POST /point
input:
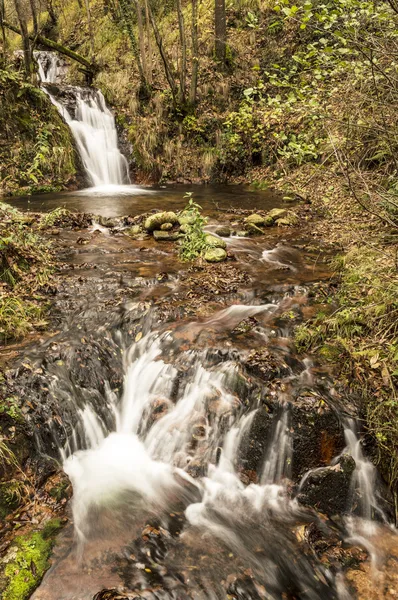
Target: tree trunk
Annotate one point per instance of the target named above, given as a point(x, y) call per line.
point(195, 53)
point(220, 27)
point(34, 16)
point(51, 12)
point(91, 67)
point(90, 28)
point(3, 31)
point(183, 70)
point(141, 38)
point(126, 14)
point(167, 67)
point(149, 42)
point(25, 35)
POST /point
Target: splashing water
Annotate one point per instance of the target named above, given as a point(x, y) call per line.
point(93, 127)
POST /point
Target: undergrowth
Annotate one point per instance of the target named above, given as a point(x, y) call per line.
point(26, 266)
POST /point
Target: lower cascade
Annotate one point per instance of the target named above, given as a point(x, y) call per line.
point(92, 125)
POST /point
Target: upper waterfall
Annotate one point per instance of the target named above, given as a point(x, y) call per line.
point(92, 125)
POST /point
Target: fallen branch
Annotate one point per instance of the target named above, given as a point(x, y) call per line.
point(92, 68)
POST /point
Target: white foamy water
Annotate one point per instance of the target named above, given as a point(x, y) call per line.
point(93, 127)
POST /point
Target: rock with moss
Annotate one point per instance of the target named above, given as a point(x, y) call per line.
point(255, 219)
point(214, 241)
point(253, 229)
point(277, 213)
point(215, 255)
point(166, 226)
point(223, 231)
point(134, 231)
point(26, 562)
point(290, 220)
point(242, 233)
point(155, 221)
point(166, 236)
point(185, 228)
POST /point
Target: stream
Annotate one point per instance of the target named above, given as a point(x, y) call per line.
point(208, 459)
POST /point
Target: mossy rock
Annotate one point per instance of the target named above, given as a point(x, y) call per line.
point(134, 230)
point(223, 231)
point(187, 217)
point(185, 228)
point(290, 220)
point(157, 220)
point(253, 229)
point(242, 233)
point(166, 236)
point(255, 219)
point(166, 227)
point(27, 560)
point(215, 255)
point(214, 242)
point(277, 213)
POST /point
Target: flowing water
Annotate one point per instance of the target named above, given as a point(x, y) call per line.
point(194, 436)
point(92, 124)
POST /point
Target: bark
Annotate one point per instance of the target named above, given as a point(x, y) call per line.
point(51, 12)
point(141, 37)
point(25, 35)
point(149, 41)
point(220, 28)
point(195, 52)
point(90, 28)
point(91, 67)
point(34, 16)
point(183, 71)
point(167, 67)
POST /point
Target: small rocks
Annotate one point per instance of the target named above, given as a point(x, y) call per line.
point(214, 255)
point(166, 226)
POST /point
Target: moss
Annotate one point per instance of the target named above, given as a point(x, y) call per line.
point(28, 560)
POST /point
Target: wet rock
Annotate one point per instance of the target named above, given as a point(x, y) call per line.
point(156, 221)
point(255, 219)
point(166, 226)
point(223, 231)
point(255, 442)
point(328, 489)
point(134, 230)
point(317, 435)
point(242, 233)
point(253, 229)
point(166, 236)
point(290, 220)
point(215, 255)
point(214, 241)
point(277, 213)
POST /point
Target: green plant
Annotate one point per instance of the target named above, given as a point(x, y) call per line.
point(194, 241)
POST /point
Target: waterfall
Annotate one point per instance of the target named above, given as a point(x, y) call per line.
point(92, 125)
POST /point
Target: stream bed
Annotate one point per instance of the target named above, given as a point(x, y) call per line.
point(207, 458)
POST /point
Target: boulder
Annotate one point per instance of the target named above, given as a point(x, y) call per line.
point(223, 231)
point(215, 242)
point(157, 220)
point(166, 236)
point(277, 213)
point(215, 255)
point(255, 219)
point(253, 229)
point(328, 489)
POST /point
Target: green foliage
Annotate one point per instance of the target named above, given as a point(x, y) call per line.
point(10, 407)
point(36, 149)
point(29, 562)
point(194, 241)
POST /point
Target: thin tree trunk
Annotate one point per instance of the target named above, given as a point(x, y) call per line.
point(34, 16)
point(25, 35)
point(183, 41)
point(3, 31)
point(141, 38)
point(220, 27)
point(195, 53)
point(90, 27)
point(149, 41)
point(51, 12)
point(167, 67)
